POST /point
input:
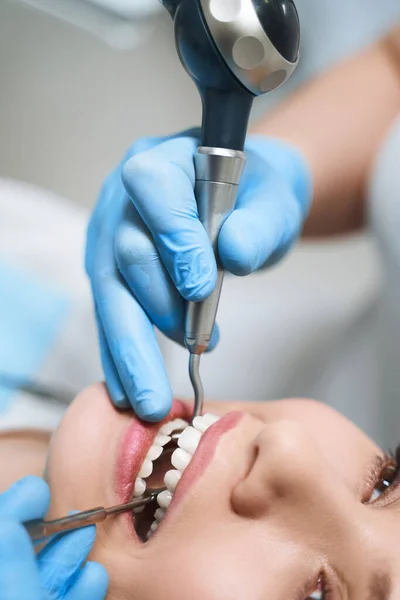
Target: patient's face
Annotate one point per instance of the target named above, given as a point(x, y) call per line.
point(272, 505)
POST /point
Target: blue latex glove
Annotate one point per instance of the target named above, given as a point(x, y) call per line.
point(57, 571)
point(147, 251)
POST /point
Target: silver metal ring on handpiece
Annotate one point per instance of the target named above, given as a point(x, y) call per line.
point(245, 46)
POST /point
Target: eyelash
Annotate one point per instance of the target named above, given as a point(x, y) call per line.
point(389, 461)
point(325, 588)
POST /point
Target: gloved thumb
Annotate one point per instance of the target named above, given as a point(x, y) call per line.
point(92, 582)
point(60, 562)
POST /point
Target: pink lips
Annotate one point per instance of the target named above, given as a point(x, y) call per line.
point(136, 442)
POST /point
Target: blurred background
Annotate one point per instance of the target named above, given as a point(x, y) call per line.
point(80, 80)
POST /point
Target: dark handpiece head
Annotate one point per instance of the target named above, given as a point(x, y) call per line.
point(234, 50)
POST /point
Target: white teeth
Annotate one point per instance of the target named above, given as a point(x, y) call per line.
point(164, 499)
point(161, 440)
point(189, 440)
point(199, 424)
point(211, 419)
point(204, 422)
point(146, 469)
point(159, 514)
point(140, 487)
point(174, 425)
point(154, 452)
point(152, 529)
point(167, 428)
point(171, 479)
point(180, 459)
point(180, 424)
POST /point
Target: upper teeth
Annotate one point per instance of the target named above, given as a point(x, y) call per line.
point(147, 468)
point(171, 479)
point(162, 439)
point(140, 487)
point(188, 442)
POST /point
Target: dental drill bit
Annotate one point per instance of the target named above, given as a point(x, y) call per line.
point(194, 365)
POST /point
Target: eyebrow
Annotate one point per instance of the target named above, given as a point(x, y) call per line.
point(379, 586)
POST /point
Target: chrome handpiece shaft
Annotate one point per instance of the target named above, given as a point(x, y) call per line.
point(218, 173)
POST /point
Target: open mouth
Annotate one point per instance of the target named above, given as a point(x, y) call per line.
point(163, 467)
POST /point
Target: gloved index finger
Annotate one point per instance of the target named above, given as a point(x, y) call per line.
point(91, 583)
point(160, 183)
point(127, 329)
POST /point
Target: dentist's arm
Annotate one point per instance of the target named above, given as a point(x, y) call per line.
point(337, 122)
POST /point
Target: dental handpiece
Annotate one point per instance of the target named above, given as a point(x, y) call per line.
point(234, 50)
point(218, 172)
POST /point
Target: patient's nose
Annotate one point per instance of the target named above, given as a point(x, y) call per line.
point(287, 472)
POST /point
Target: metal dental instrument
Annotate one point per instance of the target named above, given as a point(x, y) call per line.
point(234, 50)
point(39, 529)
point(194, 363)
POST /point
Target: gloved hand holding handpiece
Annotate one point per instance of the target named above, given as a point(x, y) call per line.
point(149, 248)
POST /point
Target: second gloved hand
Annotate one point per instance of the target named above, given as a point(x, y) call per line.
point(148, 253)
point(58, 572)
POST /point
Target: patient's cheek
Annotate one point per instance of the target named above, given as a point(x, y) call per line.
point(21, 455)
point(82, 453)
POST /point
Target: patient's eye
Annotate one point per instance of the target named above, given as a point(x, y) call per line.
point(320, 592)
point(317, 595)
point(387, 477)
point(384, 478)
